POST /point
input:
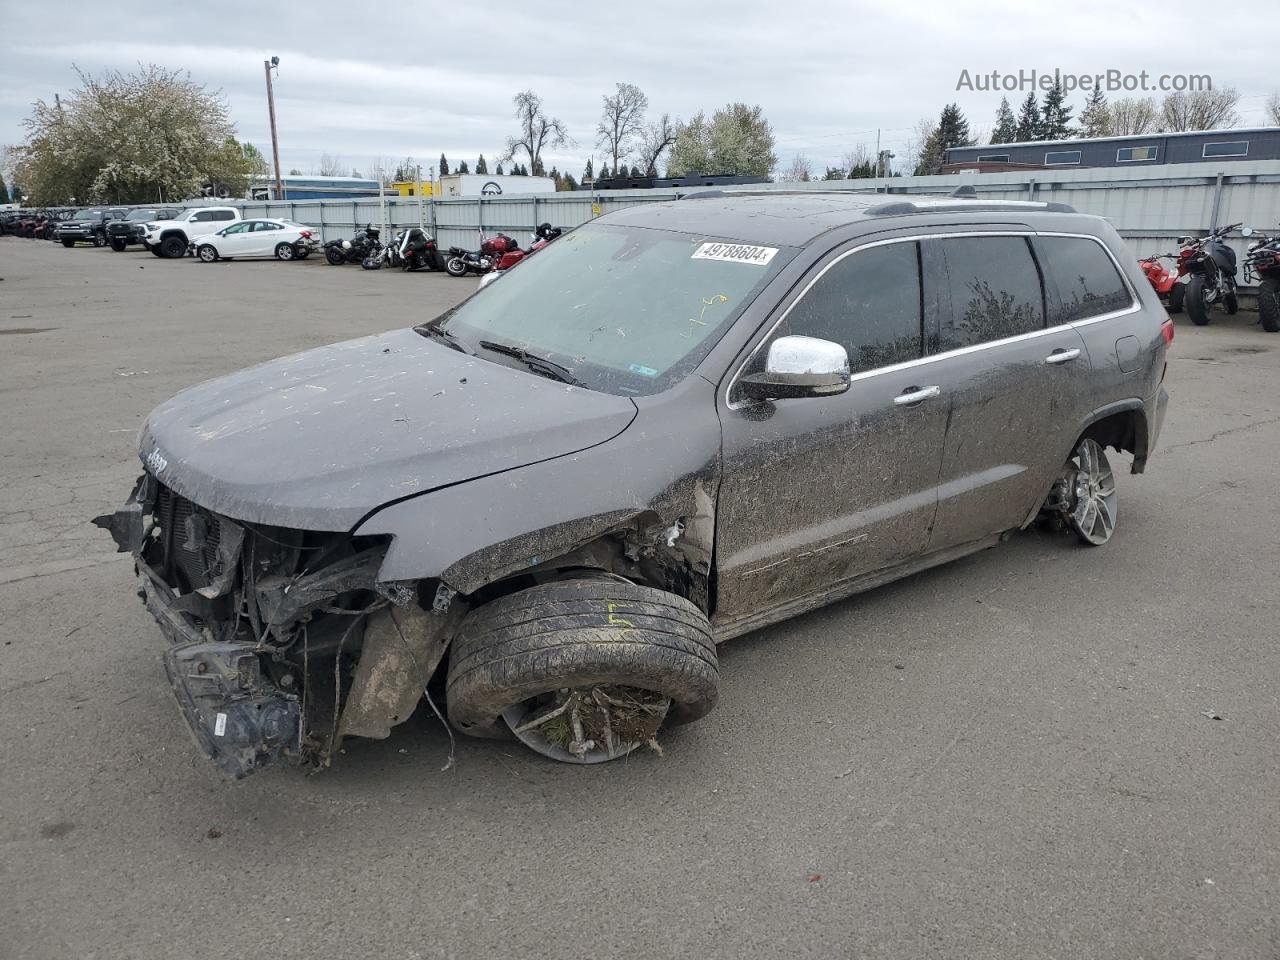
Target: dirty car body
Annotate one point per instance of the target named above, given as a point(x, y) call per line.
point(313, 533)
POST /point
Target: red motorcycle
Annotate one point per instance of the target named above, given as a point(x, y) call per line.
point(1164, 280)
point(513, 255)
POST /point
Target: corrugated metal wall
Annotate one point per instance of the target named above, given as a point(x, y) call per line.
point(1150, 206)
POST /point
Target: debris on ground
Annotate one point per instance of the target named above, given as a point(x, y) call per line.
point(1212, 715)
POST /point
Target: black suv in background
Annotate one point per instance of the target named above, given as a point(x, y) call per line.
point(131, 228)
point(89, 226)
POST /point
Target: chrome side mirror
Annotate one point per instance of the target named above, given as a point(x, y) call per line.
point(799, 367)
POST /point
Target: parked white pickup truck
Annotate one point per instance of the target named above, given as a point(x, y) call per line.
point(170, 238)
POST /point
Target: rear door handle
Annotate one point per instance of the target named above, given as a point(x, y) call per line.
point(1063, 356)
point(916, 395)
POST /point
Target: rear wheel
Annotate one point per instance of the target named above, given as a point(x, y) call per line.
point(173, 247)
point(456, 267)
point(284, 251)
point(335, 255)
point(1176, 294)
point(1232, 302)
point(582, 670)
point(99, 238)
point(303, 252)
point(1094, 502)
point(118, 245)
point(1199, 301)
point(1269, 304)
point(207, 253)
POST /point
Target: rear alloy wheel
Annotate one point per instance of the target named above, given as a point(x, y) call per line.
point(284, 251)
point(207, 253)
point(173, 247)
point(1176, 294)
point(1269, 305)
point(1199, 301)
point(99, 239)
point(1093, 504)
point(582, 670)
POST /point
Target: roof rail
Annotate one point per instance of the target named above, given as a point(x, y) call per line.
point(962, 204)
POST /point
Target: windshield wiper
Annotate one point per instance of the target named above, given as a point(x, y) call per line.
point(548, 368)
point(446, 337)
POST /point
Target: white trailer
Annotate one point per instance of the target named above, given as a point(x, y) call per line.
point(493, 185)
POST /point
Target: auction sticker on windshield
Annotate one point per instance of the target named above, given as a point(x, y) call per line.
point(735, 253)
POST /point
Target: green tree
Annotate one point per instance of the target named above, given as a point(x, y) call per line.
point(4, 190)
point(1006, 128)
point(952, 131)
point(295, 172)
point(833, 173)
point(463, 168)
point(604, 171)
point(1055, 115)
point(1095, 118)
point(587, 173)
point(481, 166)
point(737, 140)
point(1029, 120)
point(131, 137)
point(498, 170)
point(444, 166)
point(568, 183)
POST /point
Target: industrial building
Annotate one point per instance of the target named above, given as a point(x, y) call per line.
point(1200, 146)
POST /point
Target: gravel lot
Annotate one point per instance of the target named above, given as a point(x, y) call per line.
point(1011, 756)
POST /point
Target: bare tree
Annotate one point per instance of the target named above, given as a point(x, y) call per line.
point(1273, 108)
point(798, 171)
point(655, 140)
point(329, 166)
point(621, 119)
point(537, 130)
point(1201, 110)
point(1133, 116)
point(922, 133)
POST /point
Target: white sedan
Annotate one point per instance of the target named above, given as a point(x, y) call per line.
point(282, 239)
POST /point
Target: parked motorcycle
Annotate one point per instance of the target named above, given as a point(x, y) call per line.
point(1210, 267)
point(362, 246)
point(1164, 280)
point(540, 238)
point(462, 261)
point(415, 250)
point(1262, 263)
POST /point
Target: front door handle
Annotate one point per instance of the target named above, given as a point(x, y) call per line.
point(1063, 356)
point(916, 395)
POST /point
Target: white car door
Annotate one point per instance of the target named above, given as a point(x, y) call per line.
point(234, 241)
point(265, 237)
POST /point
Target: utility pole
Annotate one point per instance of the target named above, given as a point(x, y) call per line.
point(877, 151)
point(269, 65)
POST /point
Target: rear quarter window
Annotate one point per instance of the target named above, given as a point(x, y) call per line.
point(1082, 279)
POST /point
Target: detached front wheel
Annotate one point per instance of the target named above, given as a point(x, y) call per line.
point(582, 670)
point(1199, 301)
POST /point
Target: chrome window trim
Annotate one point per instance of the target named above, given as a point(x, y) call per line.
point(1135, 305)
point(1204, 155)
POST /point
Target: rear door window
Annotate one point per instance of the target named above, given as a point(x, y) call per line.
point(223, 215)
point(869, 303)
point(1082, 279)
point(995, 290)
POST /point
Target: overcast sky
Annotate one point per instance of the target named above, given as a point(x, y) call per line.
point(392, 80)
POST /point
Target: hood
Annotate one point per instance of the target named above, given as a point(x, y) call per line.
point(317, 440)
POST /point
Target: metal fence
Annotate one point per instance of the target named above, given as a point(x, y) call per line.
point(1150, 206)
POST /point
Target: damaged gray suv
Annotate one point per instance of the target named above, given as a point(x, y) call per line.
point(679, 423)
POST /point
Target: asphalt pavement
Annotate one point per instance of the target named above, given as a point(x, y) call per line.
point(1041, 751)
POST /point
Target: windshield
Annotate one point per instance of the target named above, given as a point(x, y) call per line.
point(140, 214)
point(91, 214)
point(624, 310)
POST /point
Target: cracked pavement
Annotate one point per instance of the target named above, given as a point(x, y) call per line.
point(1010, 756)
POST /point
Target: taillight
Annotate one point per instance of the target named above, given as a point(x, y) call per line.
point(1166, 331)
point(305, 234)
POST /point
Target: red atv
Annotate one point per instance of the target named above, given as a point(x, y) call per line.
point(1164, 280)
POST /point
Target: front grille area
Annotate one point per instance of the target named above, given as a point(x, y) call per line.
point(189, 538)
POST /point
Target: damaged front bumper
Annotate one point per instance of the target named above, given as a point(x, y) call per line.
point(266, 628)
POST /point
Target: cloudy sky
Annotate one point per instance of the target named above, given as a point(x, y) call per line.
point(363, 81)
